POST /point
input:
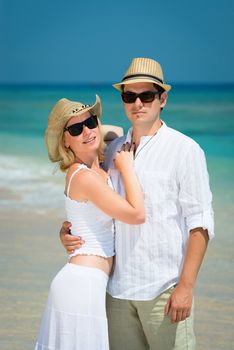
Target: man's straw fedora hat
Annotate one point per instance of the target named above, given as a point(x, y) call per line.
point(61, 113)
point(143, 70)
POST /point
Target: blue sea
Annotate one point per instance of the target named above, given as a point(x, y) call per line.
point(205, 113)
point(29, 184)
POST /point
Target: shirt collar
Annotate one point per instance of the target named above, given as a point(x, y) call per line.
point(145, 138)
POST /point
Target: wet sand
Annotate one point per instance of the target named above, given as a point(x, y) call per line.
point(31, 254)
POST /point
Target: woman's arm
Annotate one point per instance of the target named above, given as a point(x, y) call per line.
point(90, 186)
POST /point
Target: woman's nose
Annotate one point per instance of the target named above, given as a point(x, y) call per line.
point(86, 130)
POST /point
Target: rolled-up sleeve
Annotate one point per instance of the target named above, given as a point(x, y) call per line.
point(195, 196)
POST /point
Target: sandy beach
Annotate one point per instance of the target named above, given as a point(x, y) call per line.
point(31, 254)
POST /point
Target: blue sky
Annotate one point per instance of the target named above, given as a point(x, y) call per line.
point(76, 41)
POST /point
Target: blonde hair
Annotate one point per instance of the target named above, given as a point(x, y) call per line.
point(67, 155)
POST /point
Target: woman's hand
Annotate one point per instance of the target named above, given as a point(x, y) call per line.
point(124, 159)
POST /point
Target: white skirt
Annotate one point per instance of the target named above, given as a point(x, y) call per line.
point(75, 314)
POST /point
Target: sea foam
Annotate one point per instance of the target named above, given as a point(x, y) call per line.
point(29, 184)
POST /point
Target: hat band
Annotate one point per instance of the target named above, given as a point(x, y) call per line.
point(142, 75)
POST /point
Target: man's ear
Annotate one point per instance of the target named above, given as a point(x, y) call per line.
point(163, 99)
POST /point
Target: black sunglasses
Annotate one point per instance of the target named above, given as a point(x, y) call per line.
point(77, 129)
point(145, 96)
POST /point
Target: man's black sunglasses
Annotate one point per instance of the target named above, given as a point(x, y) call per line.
point(77, 129)
point(145, 96)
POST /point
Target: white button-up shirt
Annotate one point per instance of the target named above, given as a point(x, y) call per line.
point(172, 170)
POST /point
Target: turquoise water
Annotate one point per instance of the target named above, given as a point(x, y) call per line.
point(28, 184)
point(205, 113)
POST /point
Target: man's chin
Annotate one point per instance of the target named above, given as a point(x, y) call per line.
point(138, 115)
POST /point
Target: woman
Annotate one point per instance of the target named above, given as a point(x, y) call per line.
point(75, 316)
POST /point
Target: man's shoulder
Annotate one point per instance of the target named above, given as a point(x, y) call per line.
point(118, 140)
point(180, 137)
point(113, 145)
point(110, 151)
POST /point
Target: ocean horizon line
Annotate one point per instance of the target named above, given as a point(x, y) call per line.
point(180, 85)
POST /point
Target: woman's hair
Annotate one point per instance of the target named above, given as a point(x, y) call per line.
point(67, 155)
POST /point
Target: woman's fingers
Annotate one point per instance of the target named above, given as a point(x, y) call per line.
point(126, 147)
point(132, 147)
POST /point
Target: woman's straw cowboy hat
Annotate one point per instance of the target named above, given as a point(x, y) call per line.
point(143, 70)
point(61, 113)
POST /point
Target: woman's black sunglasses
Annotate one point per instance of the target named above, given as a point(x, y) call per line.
point(145, 96)
point(77, 129)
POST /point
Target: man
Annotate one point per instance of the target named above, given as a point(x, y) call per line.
point(150, 293)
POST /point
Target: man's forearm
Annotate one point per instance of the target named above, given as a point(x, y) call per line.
point(195, 251)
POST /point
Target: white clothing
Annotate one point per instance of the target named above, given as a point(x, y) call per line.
point(91, 223)
point(172, 170)
point(75, 314)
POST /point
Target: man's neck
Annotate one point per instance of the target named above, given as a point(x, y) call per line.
point(138, 132)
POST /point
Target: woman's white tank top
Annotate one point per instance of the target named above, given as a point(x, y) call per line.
point(91, 224)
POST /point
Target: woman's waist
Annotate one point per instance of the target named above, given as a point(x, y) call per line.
point(92, 260)
point(96, 249)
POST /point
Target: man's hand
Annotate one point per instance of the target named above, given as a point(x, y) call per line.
point(69, 241)
point(179, 303)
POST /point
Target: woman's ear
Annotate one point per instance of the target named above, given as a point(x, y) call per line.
point(66, 140)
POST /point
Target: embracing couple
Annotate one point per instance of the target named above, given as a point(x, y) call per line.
point(140, 218)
